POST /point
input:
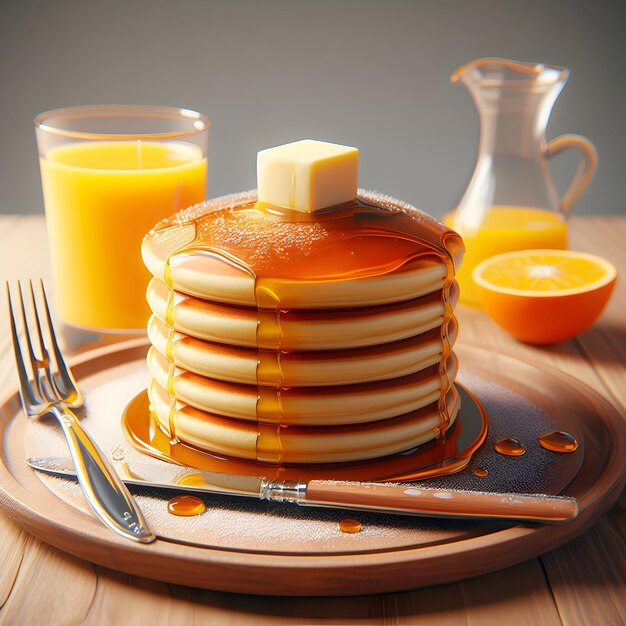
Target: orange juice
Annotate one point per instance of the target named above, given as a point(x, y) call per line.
point(505, 229)
point(101, 198)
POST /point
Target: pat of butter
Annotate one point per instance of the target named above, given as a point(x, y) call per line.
point(307, 175)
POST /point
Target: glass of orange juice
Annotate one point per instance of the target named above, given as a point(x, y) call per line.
point(109, 174)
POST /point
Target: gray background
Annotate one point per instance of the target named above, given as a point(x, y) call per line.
point(369, 74)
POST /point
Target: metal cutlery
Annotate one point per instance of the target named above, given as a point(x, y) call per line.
point(47, 387)
point(406, 499)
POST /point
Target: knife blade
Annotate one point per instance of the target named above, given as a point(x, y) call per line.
point(404, 499)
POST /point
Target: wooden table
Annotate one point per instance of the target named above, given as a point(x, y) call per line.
point(583, 582)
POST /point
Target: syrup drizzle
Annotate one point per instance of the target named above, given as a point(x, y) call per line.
point(269, 375)
point(446, 348)
point(558, 441)
point(169, 347)
point(378, 241)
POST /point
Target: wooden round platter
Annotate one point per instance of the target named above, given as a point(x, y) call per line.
point(398, 561)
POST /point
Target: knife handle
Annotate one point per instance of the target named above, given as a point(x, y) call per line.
point(416, 500)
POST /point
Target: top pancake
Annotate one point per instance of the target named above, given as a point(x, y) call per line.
point(228, 250)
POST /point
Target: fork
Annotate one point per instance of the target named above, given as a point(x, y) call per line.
point(50, 389)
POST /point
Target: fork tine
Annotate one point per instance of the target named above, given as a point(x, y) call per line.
point(47, 387)
point(45, 358)
point(29, 343)
point(65, 382)
point(27, 395)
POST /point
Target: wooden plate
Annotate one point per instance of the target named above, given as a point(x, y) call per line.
point(395, 560)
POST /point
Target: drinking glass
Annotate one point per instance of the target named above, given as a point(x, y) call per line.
point(109, 173)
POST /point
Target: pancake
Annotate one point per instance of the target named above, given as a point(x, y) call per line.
point(331, 444)
point(294, 369)
point(208, 273)
point(300, 330)
point(341, 404)
point(289, 337)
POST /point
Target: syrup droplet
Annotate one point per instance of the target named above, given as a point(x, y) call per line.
point(185, 506)
point(481, 472)
point(510, 447)
point(349, 525)
point(558, 441)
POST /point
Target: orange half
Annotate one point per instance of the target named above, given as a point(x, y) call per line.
point(544, 296)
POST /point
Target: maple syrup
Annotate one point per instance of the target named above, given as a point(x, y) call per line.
point(191, 480)
point(558, 441)
point(185, 506)
point(510, 447)
point(171, 335)
point(349, 525)
point(481, 472)
point(276, 246)
point(435, 458)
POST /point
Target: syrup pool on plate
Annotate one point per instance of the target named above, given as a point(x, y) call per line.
point(436, 458)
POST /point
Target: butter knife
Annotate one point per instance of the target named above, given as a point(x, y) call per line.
point(404, 499)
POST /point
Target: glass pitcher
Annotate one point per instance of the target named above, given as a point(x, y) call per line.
point(510, 202)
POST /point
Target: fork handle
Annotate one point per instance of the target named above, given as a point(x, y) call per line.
point(106, 494)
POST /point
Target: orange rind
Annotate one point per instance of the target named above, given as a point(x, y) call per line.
point(544, 296)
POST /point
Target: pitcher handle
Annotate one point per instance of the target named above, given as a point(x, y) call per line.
point(584, 171)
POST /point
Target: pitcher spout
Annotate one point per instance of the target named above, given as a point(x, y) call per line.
point(514, 100)
point(496, 72)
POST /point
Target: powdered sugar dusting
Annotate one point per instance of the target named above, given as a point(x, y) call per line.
point(230, 201)
point(259, 239)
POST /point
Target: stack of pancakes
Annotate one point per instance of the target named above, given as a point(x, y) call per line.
point(342, 370)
